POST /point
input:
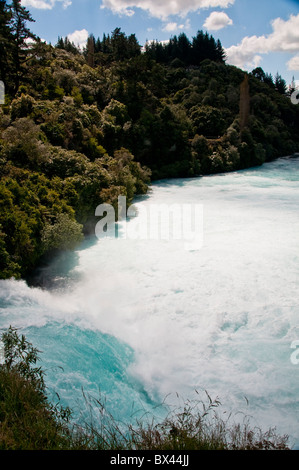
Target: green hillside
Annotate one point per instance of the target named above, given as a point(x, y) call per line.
point(79, 128)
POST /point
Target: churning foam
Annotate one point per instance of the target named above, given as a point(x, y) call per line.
point(144, 318)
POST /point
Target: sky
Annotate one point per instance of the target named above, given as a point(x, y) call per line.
point(254, 33)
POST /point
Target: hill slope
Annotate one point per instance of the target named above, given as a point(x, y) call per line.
point(81, 128)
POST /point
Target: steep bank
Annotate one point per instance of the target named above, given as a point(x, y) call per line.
point(83, 127)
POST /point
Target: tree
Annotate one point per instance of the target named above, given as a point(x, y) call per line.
point(203, 47)
point(119, 44)
point(67, 45)
point(220, 53)
point(259, 74)
point(21, 33)
point(244, 103)
point(90, 50)
point(207, 121)
point(134, 48)
point(291, 87)
point(64, 234)
point(184, 48)
point(6, 40)
point(280, 84)
point(269, 80)
point(8, 268)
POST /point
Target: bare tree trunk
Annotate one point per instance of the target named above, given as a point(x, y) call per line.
point(244, 103)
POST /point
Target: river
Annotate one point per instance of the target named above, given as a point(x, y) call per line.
point(138, 320)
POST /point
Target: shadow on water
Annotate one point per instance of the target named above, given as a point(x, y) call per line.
point(174, 182)
point(57, 271)
point(180, 182)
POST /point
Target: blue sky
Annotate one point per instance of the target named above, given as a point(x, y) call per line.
point(254, 32)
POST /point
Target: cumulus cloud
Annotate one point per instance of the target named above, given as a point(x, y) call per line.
point(246, 54)
point(161, 9)
point(79, 38)
point(284, 38)
point(293, 64)
point(45, 4)
point(170, 27)
point(173, 26)
point(217, 20)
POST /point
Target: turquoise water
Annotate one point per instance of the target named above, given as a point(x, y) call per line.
point(135, 321)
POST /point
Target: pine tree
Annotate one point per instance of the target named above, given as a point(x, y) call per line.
point(119, 45)
point(280, 84)
point(90, 50)
point(184, 48)
point(133, 46)
point(220, 54)
point(198, 48)
point(98, 46)
point(268, 79)
point(60, 43)
point(6, 41)
point(21, 33)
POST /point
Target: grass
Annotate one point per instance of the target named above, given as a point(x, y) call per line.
point(28, 421)
point(193, 425)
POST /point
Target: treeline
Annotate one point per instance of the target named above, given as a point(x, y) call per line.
point(278, 83)
point(116, 47)
point(178, 50)
point(14, 36)
point(181, 51)
point(79, 128)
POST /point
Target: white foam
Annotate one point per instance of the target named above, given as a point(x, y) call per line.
point(221, 318)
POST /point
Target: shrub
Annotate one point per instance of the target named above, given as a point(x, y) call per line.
point(22, 143)
point(22, 106)
point(27, 420)
point(64, 234)
point(8, 268)
point(207, 120)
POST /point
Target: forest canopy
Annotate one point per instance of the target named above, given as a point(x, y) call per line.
point(82, 126)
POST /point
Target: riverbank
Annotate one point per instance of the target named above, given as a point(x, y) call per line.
point(30, 422)
point(75, 135)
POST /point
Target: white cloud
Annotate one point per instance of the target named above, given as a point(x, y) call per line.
point(40, 4)
point(284, 38)
point(293, 64)
point(247, 53)
point(171, 27)
point(217, 20)
point(79, 38)
point(161, 9)
point(66, 3)
point(45, 4)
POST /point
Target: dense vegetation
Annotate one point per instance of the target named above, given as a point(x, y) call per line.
point(79, 128)
point(29, 422)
